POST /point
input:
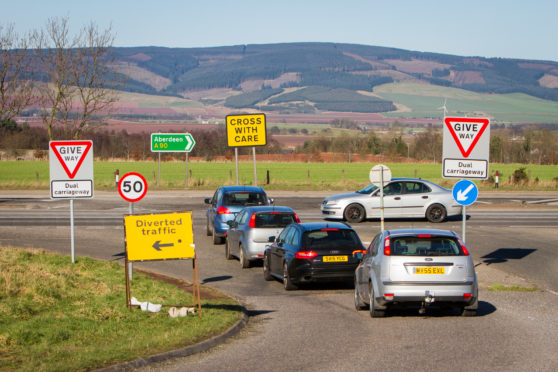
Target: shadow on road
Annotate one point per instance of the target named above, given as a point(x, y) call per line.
point(216, 279)
point(504, 254)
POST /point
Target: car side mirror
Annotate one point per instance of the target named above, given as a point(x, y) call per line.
point(359, 254)
point(271, 201)
point(231, 223)
point(207, 200)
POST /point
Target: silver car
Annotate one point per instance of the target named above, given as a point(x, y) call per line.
point(251, 229)
point(420, 267)
point(403, 198)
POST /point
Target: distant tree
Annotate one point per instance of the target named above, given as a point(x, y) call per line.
point(79, 83)
point(16, 83)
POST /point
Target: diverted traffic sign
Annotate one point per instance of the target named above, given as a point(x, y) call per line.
point(71, 169)
point(466, 147)
point(159, 236)
point(172, 142)
point(246, 130)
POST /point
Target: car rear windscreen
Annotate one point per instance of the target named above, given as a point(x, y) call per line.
point(274, 219)
point(331, 239)
point(243, 198)
point(425, 246)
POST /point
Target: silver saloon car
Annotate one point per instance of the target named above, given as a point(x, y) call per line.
point(418, 267)
point(403, 198)
point(251, 229)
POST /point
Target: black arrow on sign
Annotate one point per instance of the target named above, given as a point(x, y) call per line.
point(157, 245)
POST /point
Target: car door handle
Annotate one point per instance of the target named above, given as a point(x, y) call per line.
point(425, 197)
point(397, 198)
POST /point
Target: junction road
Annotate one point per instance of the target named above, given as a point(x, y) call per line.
point(317, 328)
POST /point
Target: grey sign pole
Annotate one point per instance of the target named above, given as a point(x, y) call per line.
point(236, 160)
point(72, 245)
point(255, 171)
point(130, 264)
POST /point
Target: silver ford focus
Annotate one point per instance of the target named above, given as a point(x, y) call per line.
point(416, 267)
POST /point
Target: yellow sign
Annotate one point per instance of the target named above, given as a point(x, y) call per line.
point(159, 236)
point(246, 130)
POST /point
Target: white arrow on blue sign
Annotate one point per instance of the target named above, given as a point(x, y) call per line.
point(465, 192)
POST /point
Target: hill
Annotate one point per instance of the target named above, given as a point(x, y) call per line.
point(305, 78)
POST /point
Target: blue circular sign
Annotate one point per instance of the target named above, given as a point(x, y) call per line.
point(465, 192)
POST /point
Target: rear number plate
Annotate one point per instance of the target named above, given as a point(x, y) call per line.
point(430, 270)
point(336, 258)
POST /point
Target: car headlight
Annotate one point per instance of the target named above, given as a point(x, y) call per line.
point(328, 203)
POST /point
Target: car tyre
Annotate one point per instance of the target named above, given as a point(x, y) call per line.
point(436, 213)
point(359, 304)
point(228, 254)
point(287, 281)
point(244, 262)
point(266, 271)
point(354, 213)
point(470, 310)
point(375, 312)
point(207, 229)
point(216, 239)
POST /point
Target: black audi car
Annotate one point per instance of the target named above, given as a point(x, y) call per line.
point(311, 252)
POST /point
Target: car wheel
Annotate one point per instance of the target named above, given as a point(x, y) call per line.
point(244, 262)
point(374, 311)
point(216, 239)
point(436, 213)
point(354, 213)
point(228, 254)
point(359, 304)
point(266, 270)
point(470, 310)
point(287, 282)
point(207, 229)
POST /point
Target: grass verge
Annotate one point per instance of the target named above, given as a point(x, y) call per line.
point(59, 316)
point(511, 288)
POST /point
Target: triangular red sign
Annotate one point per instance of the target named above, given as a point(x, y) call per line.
point(71, 154)
point(466, 132)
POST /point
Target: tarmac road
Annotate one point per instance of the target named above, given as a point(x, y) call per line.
point(317, 328)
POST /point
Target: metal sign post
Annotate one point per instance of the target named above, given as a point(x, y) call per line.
point(465, 192)
point(380, 175)
point(71, 175)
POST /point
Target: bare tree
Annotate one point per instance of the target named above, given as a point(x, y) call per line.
point(80, 85)
point(16, 83)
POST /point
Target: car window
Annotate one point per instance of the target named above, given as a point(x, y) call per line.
point(368, 189)
point(393, 189)
point(239, 217)
point(373, 249)
point(283, 234)
point(289, 236)
point(416, 188)
point(215, 197)
point(425, 246)
point(244, 198)
point(296, 237)
point(274, 219)
point(331, 238)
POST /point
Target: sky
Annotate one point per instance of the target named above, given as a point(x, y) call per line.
point(486, 28)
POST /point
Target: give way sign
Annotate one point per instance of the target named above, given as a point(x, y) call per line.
point(71, 169)
point(466, 147)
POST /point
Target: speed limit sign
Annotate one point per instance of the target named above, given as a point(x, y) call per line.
point(132, 187)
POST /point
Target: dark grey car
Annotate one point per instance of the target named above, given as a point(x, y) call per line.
point(251, 229)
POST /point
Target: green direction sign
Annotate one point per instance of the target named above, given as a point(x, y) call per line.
point(172, 142)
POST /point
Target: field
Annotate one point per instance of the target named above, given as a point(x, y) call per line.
point(282, 175)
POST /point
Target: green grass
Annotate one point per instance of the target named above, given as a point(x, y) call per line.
point(511, 288)
point(59, 316)
point(283, 175)
point(425, 102)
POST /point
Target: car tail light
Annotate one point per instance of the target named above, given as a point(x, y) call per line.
point(252, 222)
point(330, 230)
point(465, 250)
point(296, 218)
point(467, 296)
point(388, 296)
point(387, 248)
point(359, 251)
point(424, 236)
point(223, 210)
point(305, 254)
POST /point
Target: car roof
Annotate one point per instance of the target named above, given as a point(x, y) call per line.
point(242, 188)
point(311, 226)
point(436, 232)
point(269, 208)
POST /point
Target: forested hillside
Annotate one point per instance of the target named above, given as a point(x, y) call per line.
point(302, 77)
